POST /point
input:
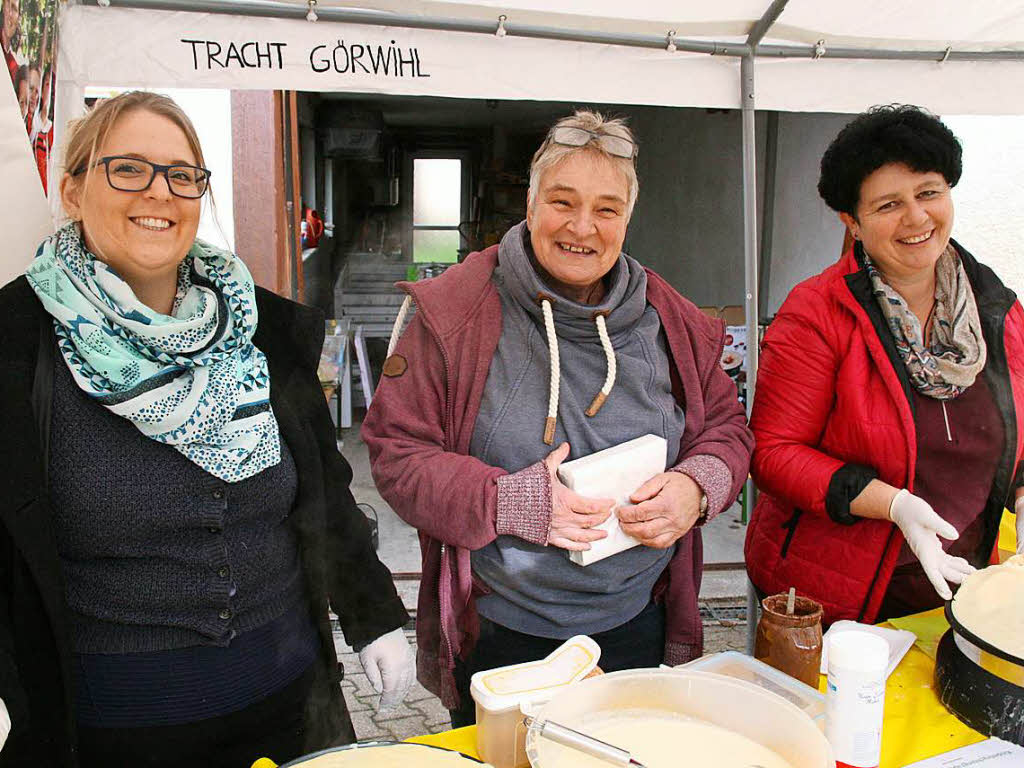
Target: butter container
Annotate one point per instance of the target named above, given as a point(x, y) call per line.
point(503, 693)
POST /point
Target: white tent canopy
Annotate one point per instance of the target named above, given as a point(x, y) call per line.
point(554, 51)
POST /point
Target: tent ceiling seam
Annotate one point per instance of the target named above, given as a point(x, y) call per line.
point(711, 47)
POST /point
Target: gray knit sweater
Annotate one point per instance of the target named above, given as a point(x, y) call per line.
point(537, 589)
point(157, 553)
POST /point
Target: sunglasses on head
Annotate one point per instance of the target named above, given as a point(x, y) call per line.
point(619, 146)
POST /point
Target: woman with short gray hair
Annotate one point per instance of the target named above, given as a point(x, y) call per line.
point(555, 338)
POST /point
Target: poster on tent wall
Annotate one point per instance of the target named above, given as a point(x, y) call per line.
point(29, 40)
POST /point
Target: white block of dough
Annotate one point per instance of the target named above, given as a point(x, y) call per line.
point(614, 473)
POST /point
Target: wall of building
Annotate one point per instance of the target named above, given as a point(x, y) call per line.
point(688, 223)
point(806, 234)
point(688, 220)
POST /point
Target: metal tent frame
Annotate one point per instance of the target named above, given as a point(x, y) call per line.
point(747, 53)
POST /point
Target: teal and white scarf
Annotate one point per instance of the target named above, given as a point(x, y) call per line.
point(192, 379)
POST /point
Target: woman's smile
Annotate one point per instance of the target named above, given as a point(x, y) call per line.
point(151, 223)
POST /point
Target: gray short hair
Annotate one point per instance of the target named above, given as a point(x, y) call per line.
point(550, 154)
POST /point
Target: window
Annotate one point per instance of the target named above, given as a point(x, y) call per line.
point(436, 209)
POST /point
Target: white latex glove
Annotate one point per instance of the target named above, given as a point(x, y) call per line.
point(1018, 510)
point(922, 526)
point(5, 724)
point(391, 668)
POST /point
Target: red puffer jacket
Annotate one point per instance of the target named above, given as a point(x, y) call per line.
point(832, 412)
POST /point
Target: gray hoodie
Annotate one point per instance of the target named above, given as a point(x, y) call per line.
point(538, 590)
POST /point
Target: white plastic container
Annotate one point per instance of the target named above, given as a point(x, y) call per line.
point(855, 699)
point(502, 694)
point(742, 667)
point(742, 707)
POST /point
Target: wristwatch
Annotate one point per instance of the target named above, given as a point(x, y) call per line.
point(703, 503)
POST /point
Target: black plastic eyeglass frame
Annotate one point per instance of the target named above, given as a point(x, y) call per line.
point(155, 168)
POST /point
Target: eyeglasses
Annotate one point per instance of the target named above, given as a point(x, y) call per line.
point(619, 146)
point(133, 174)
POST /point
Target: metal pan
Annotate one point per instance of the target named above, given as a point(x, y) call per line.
point(992, 659)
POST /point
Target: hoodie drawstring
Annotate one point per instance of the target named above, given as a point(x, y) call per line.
point(549, 326)
point(609, 353)
point(396, 331)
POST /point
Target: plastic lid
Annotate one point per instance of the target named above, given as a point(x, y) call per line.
point(742, 667)
point(506, 687)
point(857, 649)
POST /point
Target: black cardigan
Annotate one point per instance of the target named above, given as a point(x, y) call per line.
point(338, 560)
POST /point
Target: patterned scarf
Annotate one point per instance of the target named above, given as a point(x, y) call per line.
point(192, 379)
point(957, 351)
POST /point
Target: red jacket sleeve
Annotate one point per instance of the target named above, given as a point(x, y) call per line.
point(450, 497)
point(795, 395)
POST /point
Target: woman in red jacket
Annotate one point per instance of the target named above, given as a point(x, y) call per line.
point(889, 399)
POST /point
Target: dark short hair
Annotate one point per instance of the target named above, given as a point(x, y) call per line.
point(892, 133)
point(20, 76)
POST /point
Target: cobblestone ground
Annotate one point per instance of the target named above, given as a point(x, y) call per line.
point(422, 712)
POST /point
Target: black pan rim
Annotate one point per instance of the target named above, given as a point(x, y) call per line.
point(972, 638)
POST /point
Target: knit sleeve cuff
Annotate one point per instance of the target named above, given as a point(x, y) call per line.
point(846, 484)
point(524, 504)
point(714, 478)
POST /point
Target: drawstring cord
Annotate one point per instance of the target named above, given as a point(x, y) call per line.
point(609, 353)
point(549, 326)
point(396, 331)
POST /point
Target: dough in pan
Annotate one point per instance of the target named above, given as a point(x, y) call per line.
point(990, 604)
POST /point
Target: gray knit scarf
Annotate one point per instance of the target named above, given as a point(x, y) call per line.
point(956, 354)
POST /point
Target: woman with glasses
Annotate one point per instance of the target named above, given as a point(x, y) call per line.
point(552, 345)
point(177, 516)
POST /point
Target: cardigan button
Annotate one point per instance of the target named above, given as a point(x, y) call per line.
point(225, 613)
point(223, 571)
point(218, 494)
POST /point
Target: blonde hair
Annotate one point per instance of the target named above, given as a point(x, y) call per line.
point(87, 134)
point(550, 154)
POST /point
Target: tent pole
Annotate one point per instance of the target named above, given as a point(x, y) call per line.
point(751, 299)
point(771, 164)
point(750, 302)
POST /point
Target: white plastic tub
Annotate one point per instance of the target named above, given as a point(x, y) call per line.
point(741, 707)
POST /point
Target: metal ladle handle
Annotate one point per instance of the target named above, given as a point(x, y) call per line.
point(560, 734)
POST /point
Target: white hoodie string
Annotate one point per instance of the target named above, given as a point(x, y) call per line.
point(396, 331)
point(609, 353)
point(549, 326)
point(609, 381)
